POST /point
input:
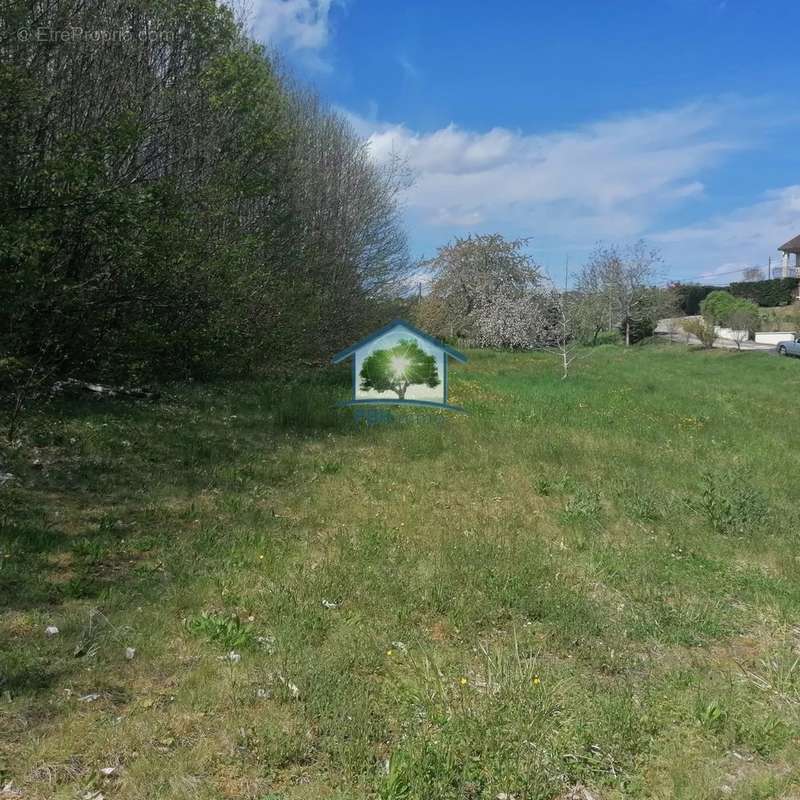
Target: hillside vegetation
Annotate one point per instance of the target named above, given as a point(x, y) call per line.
point(588, 582)
point(173, 205)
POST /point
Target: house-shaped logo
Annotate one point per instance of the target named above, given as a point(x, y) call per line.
point(401, 365)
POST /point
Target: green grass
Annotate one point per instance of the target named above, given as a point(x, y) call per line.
point(587, 582)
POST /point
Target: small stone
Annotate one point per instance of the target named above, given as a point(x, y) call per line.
point(107, 772)
point(130, 653)
point(329, 604)
point(51, 630)
point(89, 698)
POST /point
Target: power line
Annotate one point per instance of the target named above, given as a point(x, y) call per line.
point(711, 276)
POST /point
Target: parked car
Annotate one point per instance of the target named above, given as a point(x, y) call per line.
point(790, 347)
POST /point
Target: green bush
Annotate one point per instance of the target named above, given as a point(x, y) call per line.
point(775, 292)
point(722, 308)
point(718, 306)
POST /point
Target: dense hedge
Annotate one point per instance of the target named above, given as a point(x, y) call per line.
point(775, 292)
point(690, 295)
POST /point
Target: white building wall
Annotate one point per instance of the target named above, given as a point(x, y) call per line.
point(773, 337)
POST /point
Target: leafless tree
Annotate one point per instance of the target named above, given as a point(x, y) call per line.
point(564, 329)
point(741, 320)
point(594, 300)
point(753, 274)
point(623, 278)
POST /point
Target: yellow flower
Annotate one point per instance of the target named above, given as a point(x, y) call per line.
point(536, 680)
point(390, 652)
point(463, 681)
point(261, 557)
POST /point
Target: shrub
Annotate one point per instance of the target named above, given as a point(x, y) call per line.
point(775, 292)
point(722, 308)
point(703, 330)
point(718, 306)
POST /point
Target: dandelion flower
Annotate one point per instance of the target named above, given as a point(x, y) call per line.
point(390, 652)
point(463, 681)
point(536, 680)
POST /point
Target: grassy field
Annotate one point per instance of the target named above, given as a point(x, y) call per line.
point(594, 583)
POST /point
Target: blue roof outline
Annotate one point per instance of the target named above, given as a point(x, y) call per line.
point(348, 351)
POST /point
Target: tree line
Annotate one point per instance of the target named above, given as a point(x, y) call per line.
point(172, 204)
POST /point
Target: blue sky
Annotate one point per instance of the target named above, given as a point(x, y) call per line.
point(676, 121)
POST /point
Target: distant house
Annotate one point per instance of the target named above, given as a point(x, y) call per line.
point(792, 247)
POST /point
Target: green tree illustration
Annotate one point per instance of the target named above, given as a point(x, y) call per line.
point(398, 368)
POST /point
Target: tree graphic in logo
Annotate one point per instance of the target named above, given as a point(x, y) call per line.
point(398, 368)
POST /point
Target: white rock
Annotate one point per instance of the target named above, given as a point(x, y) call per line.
point(130, 653)
point(293, 690)
point(89, 698)
point(329, 604)
point(108, 771)
point(51, 630)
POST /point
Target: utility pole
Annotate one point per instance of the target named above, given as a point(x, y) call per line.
point(769, 268)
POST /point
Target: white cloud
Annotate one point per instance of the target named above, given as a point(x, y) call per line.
point(612, 176)
point(745, 237)
point(297, 24)
point(613, 180)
